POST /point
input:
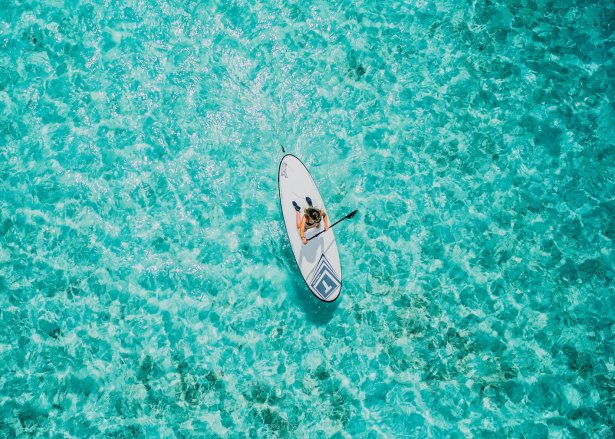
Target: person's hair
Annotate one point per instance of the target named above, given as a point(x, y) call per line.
point(313, 213)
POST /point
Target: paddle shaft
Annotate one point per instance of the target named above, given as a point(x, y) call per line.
point(350, 215)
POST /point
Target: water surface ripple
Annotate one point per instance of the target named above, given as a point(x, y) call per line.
point(147, 288)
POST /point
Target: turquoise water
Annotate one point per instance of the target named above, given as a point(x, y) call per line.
point(147, 285)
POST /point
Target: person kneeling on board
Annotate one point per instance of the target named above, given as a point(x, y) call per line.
point(311, 218)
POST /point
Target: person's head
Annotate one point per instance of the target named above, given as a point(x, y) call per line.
point(313, 213)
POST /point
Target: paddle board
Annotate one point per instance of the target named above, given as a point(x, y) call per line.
point(318, 260)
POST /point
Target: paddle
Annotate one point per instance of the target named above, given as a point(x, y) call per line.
point(350, 215)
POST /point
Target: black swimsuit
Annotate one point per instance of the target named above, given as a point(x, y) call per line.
point(311, 224)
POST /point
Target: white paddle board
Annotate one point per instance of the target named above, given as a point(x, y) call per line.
point(318, 260)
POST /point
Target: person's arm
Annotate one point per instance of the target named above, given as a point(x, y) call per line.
point(326, 218)
point(302, 230)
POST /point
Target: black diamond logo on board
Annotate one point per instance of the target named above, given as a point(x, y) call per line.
point(325, 281)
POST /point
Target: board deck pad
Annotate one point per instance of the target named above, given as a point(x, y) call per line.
point(318, 260)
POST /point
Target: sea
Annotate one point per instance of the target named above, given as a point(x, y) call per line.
point(147, 285)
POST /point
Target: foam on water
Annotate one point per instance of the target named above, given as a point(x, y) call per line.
point(147, 285)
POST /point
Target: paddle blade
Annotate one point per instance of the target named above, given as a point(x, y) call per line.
point(351, 214)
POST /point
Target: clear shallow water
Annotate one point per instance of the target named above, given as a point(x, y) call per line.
point(147, 287)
